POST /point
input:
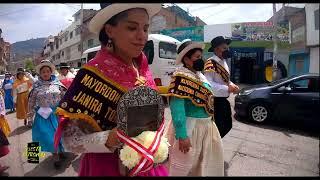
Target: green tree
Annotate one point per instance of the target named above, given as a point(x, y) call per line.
point(29, 64)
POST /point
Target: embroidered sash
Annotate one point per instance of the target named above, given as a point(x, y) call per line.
point(213, 66)
point(93, 98)
point(183, 86)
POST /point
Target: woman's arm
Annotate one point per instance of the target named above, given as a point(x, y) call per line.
point(77, 139)
point(178, 117)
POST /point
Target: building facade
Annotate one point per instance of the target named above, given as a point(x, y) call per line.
point(172, 17)
point(312, 29)
point(299, 53)
point(4, 54)
point(67, 45)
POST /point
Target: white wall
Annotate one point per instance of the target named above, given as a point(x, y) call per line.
point(314, 60)
point(95, 38)
point(75, 38)
point(212, 31)
point(312, 34)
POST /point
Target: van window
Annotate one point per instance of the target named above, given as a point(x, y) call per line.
point(167, 50)
point(149, 51)
point(91, 55)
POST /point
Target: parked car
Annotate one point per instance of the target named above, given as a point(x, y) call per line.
point(287, 99)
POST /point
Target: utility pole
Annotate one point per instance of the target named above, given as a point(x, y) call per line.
point(275, 44)
point(81, 32)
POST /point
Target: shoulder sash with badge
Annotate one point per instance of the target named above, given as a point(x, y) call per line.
point(183, 85)
point(213, 66)
point(92, 97)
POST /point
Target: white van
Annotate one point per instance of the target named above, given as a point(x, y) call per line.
point(161, 52)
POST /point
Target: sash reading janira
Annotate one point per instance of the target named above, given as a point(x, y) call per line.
point(95, 101)
point(183, 86)
point(212, 66)
point(93, 98)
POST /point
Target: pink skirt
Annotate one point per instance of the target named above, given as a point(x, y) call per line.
point(106, 164)
point(4, 150)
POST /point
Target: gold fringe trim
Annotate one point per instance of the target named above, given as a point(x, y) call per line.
point(193, 102)
point(78, 116)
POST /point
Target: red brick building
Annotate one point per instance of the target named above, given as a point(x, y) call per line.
point(173, 17)
point(4, 54)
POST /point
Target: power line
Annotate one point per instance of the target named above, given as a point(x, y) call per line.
point(210, 15)
point(72, 7)
point(201, 8)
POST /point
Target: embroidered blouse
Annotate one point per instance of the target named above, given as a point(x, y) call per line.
point(45, 94)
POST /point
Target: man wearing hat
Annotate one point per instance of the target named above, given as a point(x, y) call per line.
point(218, 74)
point(64, 72)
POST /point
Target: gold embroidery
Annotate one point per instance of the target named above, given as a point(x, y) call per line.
point(64, 104)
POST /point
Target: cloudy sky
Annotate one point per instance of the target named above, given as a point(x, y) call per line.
point(21, 22)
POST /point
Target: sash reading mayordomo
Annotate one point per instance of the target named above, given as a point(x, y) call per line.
point(94, 100)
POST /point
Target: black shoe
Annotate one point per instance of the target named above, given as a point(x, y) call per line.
point(57, 164)
point(62, 156)
point(25, 122)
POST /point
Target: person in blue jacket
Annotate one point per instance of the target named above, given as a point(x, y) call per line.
point(7, 88)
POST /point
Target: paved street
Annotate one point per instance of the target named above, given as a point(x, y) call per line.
point(249, 150)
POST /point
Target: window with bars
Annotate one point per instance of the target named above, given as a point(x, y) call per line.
point(78, 31)
point(90, 43)
point(316, 19)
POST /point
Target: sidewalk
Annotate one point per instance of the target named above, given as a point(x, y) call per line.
point(20, 136)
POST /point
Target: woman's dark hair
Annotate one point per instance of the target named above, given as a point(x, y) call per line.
point(45, 66)
point(103, 37)
point(189, 54)
point(22, 73)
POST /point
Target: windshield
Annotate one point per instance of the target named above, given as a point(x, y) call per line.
point(280, 80)
point(167, 50)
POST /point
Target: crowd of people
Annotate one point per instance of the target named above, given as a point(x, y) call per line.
point(64, 110)
point(34, 97)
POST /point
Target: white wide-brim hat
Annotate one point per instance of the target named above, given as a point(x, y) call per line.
point(45, 63)
point(189, 45)
point(112, 9)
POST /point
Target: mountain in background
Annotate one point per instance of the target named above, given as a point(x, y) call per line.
point(24, 49)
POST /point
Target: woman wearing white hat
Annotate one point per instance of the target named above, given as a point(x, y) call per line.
point(196, 147)
point(43, 100)
point(88, 109)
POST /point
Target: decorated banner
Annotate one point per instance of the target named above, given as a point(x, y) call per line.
point(194, 33)
point(94, 99)
point(184, 87)
point(258, 31)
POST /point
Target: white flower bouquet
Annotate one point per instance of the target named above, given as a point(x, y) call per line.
point(130, 157)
